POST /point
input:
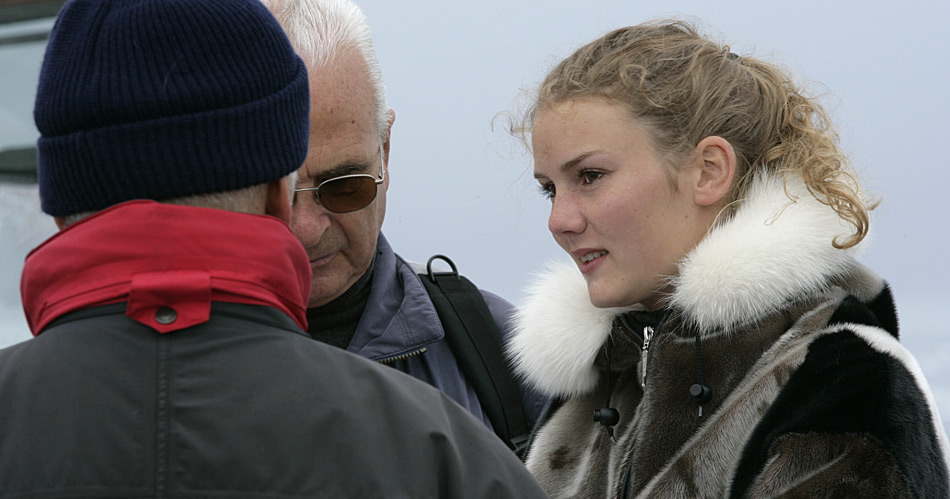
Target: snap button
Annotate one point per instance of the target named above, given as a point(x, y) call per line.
point(165, 315)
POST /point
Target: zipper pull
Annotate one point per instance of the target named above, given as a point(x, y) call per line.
point(644, 355)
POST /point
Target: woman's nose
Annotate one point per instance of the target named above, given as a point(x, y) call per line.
point(566, 216)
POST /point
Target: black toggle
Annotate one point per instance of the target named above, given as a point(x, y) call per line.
point(700, 393)
point(608, 416)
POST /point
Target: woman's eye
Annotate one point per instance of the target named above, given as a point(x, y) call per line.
point(547, 190)
point(589, 176)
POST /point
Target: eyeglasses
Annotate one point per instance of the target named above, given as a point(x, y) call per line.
point(348, 192)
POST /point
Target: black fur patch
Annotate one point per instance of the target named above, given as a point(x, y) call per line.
point(851, 310)
point(883, 307)
point(879, 312)
point(846, 387)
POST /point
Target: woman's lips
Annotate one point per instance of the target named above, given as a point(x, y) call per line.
point(590, 259)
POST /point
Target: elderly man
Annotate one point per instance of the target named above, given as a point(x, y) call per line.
point(170, 357)
point(365, 298)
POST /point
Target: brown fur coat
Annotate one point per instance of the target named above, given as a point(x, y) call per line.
point(812, 395)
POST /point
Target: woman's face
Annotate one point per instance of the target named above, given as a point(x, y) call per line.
point(614, 209)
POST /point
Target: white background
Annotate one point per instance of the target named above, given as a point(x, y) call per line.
point(461, 186)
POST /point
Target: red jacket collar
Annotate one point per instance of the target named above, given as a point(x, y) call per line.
point(169, 263)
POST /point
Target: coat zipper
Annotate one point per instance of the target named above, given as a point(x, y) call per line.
point(401, 356)
point(648, 333)
point(645, 355)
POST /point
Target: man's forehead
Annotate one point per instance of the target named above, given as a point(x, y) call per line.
point(342, 85)
point(344, 128)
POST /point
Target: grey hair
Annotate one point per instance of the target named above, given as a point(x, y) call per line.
point(321, 29)
point(245, 200)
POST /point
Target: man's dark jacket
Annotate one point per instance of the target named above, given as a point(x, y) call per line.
point(113, 399)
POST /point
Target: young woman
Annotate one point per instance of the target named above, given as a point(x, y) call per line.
point(715, 336)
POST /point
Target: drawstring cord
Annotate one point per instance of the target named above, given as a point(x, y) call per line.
point(608, 416)
point(700, 392)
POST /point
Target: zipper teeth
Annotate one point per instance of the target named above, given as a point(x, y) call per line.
point(390, 360)
point(648, 334)
point(645, 355)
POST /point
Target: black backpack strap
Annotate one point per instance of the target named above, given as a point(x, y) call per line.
point(475, 340)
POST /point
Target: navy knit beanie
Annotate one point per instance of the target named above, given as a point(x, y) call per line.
point(159, 99)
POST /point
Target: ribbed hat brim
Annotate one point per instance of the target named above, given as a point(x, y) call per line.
point(228, 148)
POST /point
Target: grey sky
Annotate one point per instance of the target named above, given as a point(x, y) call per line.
point(461, 186)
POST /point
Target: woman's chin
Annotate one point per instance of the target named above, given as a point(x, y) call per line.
point(601, 297)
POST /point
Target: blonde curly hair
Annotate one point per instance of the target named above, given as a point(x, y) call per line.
point(685, 88)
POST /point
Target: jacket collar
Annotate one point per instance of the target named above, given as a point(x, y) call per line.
point(169, 263)
point(772, 249)
point(399, 317)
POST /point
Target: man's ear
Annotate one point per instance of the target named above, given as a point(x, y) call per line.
point(279, 202)
point(391, 118)
point(386, 145)
point(60, 222)
point(717, 168)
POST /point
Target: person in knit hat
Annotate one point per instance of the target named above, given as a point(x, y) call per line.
point(170, 356)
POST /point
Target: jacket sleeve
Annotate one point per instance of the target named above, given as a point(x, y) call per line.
point(840, 465)
point(854, 420)
point(433, 439)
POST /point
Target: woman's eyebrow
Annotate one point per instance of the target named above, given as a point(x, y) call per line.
point(572, 163)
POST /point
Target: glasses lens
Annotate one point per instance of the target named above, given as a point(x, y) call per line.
point(342, 195)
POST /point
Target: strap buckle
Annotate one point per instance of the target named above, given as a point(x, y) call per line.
point(454, 273)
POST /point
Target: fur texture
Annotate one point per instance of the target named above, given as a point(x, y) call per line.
point(745, 269)
point(547, 348)
point(812, 393)
point(771, 249)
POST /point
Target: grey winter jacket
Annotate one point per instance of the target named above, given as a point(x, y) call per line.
point(134, 399)
point(245, 405)
point(401, 328)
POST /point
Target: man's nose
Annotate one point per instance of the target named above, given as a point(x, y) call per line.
point(310, 220)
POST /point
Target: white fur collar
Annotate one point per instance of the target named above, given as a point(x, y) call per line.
point(771, 250)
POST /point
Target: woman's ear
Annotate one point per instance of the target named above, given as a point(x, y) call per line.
point(717, 169)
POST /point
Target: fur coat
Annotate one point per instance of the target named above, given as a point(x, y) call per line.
point(812, 394)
